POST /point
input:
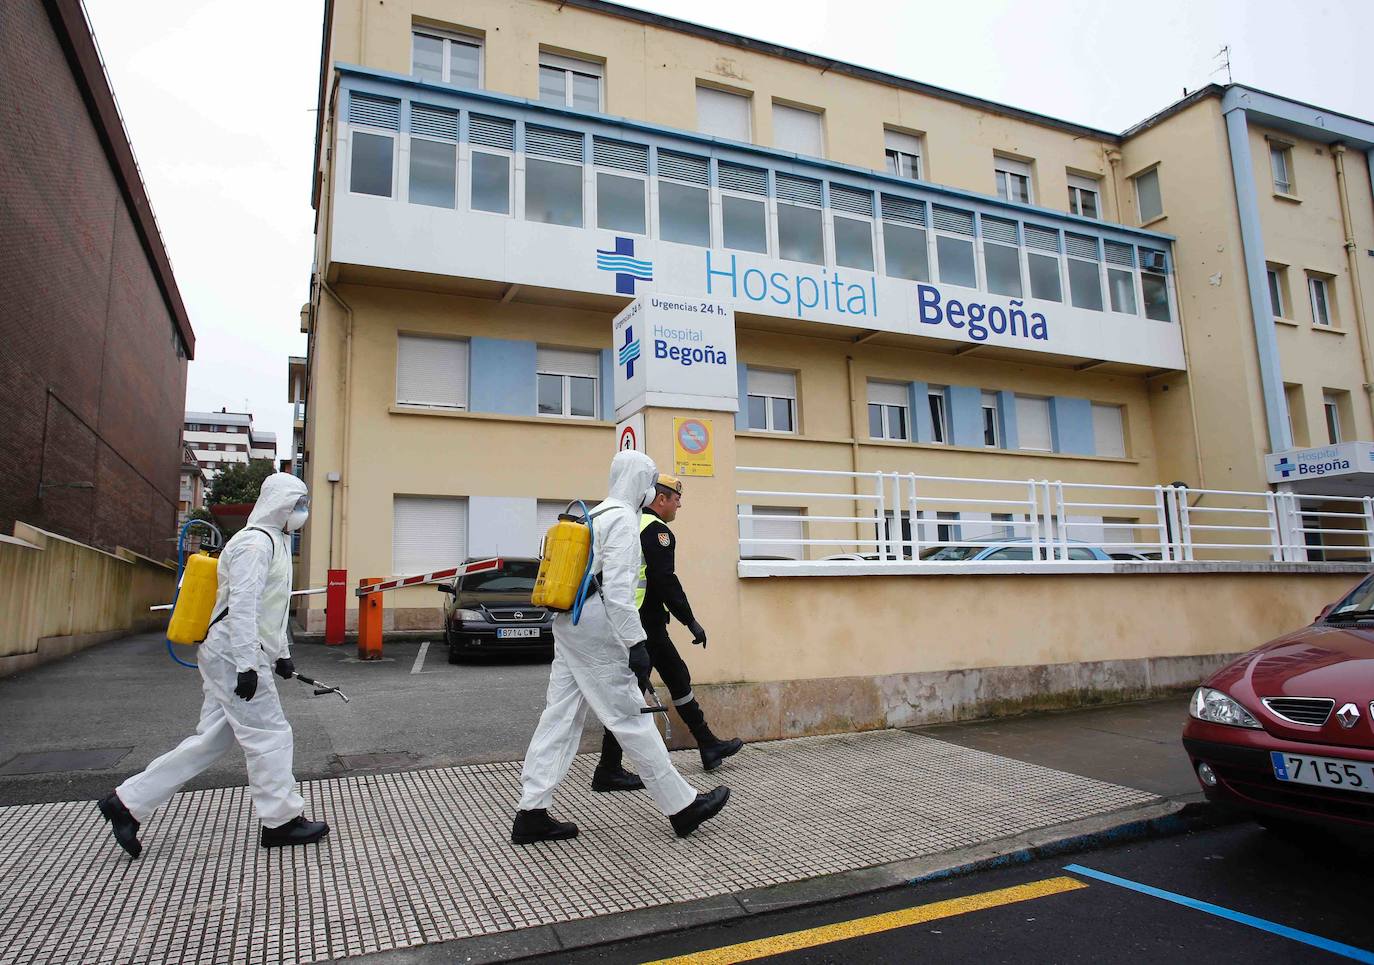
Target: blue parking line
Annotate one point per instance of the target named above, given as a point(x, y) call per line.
point(1307, 938)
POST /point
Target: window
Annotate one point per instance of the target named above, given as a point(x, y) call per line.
point(939, 423)
point(1042, 260)
point(800, 237)
point(945, 529)
point(1297, 414)
point(1083, 196)
point(798, 130)
point(903, 154)
point(1013, 179)
point(370, 170)
point(743, 210)
point(1281, 163)
point(1033, 423)
point(1005, 531)
point(553, 176)
point(621, 185)
point(427, 533)
point(1109, 437)
point(1002, 256)
point(570, 82)
point(772, 400)
point(785, 531)
point(492, 141)
point(1274, 274)
point(1331, 410)
point(992, 431)
point(954, 246)
point(684, 203)
point(904, 238)
point(433, 156)
point(1121, 276)
point(446, 58)
point(1085, 276)
point(1149, 203)
point(1154, 285)
point(568, 382)
point(1320, 293)
point(852, 223)
point(723, 114)
point(431, 371)
point(887, 411)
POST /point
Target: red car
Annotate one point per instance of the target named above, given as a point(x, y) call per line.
point(1286, 732)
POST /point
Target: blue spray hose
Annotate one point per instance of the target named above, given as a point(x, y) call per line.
point(587, 572)
point(181, 568)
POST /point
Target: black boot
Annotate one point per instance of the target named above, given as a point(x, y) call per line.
point(705, 807)
point(536, 825)
point(298, 830)
point(123, 825)
point(713, 749)
point(605, 779)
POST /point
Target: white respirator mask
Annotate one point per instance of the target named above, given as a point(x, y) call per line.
point(299, 514)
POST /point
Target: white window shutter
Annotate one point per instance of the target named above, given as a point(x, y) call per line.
point(561, 361)
point(427, 534)
point(787, 533)
point(887, 393)
point(783, 384)
point(1108, 433)
point(1033, 423)
point(797, 130)
point(432, 371)
point(906, 143)
point(722, 114)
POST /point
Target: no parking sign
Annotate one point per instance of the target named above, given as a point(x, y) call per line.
point(693, 449)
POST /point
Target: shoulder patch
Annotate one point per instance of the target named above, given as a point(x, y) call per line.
point(665, 539)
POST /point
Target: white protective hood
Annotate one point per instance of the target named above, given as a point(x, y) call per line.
point(615, 541)
point(279, 494)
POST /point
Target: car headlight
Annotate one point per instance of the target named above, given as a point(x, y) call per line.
point(473, 615)
point(1216, 707)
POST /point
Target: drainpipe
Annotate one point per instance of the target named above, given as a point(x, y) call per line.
point(348, 424)
point(1114, 159)
point(1252, 240)
point(1353, 260)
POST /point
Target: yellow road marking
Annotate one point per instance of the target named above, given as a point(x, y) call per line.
point(873, 924)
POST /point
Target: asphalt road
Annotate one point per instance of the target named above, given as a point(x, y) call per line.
point(128, 699)
point(1312, 884)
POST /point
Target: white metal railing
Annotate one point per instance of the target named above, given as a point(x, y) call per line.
point(892, 516)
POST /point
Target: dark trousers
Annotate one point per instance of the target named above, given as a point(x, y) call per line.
point(659, 653)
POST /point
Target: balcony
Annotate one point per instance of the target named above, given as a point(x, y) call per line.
point(492, 191)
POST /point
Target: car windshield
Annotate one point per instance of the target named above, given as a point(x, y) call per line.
point(948, 554)
point(1358, 602)
point(516, 577)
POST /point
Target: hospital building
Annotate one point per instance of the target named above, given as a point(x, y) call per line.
point(1138, 358)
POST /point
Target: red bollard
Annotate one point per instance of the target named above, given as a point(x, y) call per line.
point(335, 606)
point(370, 622)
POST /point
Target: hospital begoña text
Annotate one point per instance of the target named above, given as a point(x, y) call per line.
point(807, 291)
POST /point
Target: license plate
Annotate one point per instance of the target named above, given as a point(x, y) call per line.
point(1323, 771)
point(507, 633)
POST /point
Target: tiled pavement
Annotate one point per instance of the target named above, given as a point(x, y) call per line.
point(424, 856)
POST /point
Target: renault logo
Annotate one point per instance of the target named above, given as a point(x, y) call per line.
point(1349, 716)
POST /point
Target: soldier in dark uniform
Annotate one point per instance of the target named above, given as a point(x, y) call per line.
point(660, 594)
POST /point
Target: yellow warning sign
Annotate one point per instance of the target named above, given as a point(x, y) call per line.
point(693, 449)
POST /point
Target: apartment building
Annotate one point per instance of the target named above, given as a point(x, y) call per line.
point(220, 438)
point(919, 281)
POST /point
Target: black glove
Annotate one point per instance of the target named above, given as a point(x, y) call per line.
point(247, 685)
point(285, 668)
point(698, 633)
point(640, 664)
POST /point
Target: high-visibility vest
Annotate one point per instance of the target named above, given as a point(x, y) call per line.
point(645, 519)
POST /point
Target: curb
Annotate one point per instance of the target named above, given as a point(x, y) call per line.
point(1162, 818)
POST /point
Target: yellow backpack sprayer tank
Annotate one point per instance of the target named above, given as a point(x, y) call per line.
point(564, 563)
point(190, 621)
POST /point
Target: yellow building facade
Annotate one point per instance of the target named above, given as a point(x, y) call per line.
point(921, 285)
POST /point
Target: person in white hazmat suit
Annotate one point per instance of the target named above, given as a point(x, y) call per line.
point(591, 668)
point(247, 641)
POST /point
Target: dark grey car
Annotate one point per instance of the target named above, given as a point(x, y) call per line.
point(491, 613)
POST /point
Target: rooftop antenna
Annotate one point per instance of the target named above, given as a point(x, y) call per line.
point(1224, 55)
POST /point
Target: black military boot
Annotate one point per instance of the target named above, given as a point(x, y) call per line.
point(703, 809)
point(713, 749)
point(123, 825)
point(299, 830)
point(610, 774)
point(536, 825)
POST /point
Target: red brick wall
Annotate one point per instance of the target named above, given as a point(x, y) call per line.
point(92, 380)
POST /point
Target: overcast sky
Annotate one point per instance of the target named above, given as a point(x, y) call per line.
point(219, 96)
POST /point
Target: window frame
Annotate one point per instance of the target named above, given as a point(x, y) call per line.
point(570, 66)
point(767, 199)
point(979, 279)
point(833, 213)
point(596, 171)
point(1331, 412)
point(748, 102)
point(1004, 168)
point(448, 38)
point(412, 137)
point(768, 399)
point(1136, 181)
point(659, 179)
point(1282, 151)
point(501, 152)
point(937, 405)
point(1080, 184)
point(566, 395)
point(465, 405)
point(1275, 276)
point(991, 406)
point(815, 112)
point(886, 410)
point(1326, 318)
point(394, 137)
point(895, 153)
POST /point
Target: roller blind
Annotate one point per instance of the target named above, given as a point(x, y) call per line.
point(1109, 438)
point(427, 534)
point(887, 393)
point(786, 532)
point(562, 361)
point(432, 371)
point(723, 114)
point(1033, 423)
point(783, 384)
point(797, 130)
